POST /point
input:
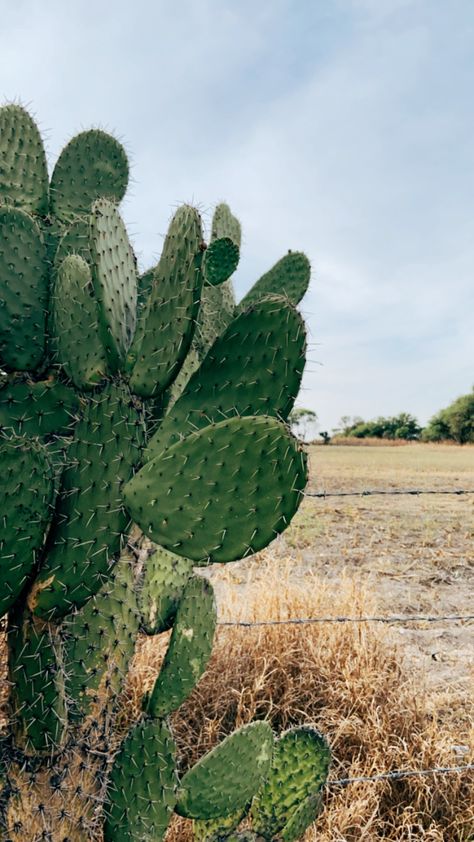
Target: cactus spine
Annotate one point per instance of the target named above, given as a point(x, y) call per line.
point(108, 503)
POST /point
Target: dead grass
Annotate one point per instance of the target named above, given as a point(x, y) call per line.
point(349, 680)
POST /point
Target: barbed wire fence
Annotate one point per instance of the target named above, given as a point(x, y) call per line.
point(395, 774)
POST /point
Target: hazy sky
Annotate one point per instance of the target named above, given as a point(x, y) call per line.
point(344, 128)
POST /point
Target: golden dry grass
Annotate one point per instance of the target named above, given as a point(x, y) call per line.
point(349, 680)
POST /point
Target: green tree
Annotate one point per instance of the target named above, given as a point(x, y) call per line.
point(455, 422)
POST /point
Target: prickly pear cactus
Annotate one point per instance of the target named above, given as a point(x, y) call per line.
point(142, 436)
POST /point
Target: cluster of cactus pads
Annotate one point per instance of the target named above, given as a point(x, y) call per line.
point(142, 436)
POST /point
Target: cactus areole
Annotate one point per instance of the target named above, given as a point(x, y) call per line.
point(142, 435)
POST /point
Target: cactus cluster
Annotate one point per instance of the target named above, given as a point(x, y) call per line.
point(142, 436)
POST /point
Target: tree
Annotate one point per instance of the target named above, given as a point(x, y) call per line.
point(455, 422)
point(303, 423)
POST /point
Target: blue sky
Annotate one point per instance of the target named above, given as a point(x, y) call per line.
point(344, 128)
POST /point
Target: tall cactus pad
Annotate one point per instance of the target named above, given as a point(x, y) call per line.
point(26, 509)
point(289, 277)
point(80, 350)
point(100, 641)
point(91, 166)
point(38, 409)
point(255, 368)
point(142, 788)
point(23, 171)
point(224, 781)
point(300, 766)
point(90, 519)
point(115, 280)
point(220, 260)
point(225, 224)
point(167, 322)
point(164, 578)
point(189, 649)
point(23, 291)
point(79, 347)
point(241, 480)
point(37, 675)
point(216, 312)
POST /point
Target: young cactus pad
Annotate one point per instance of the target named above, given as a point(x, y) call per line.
point(142, 432)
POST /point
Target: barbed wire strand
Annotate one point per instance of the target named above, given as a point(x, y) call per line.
point(371, 492)
point(399, 774)
point(302, 621)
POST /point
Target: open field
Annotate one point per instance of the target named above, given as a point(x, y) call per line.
point(388, 697)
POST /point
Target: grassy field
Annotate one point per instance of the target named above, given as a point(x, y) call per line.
point(388, 697)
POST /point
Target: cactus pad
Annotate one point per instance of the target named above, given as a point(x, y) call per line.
point(300, 766)
point(37, 675)
point(26, 506)
point(189, 649)
point(24, 287)
point(217, 830)
point(164, 578)
point(90, 519)
point(289, 277)
point(241, 480)
point(166, 325)
point(255, 368)
point(115, 279)
point(23, 172)
point(99, 641)
point(142, 788)
point(93, 165)
point(79, 348)
point(225, 224)
point(223, 781)
point(221, 259)
point(38, 409)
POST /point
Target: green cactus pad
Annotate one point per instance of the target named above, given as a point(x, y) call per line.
point(222, 493)
point(215, 314)
point(38, 409)
point(221, 259)
point(93, 165)
point(166, 326)
point(189, 649)
point(37, 675)
point(255, 368)
point(75, 240)
point(164, 578)
point(23, 172)
point(90, 518)
point(217, 830)
point(225, 780)
point(24, 289)
point(190, 365)
point(26, 505)
point(225, 224)
point(99, 641)
point(300, 766)
point(302, 818)
point(79, 348)
point(289, 277)
point(115, 280)
point(142, 790)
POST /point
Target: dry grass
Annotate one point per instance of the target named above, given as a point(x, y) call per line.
point(352, 682)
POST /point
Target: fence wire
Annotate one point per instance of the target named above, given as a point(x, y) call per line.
point(399, 774)
point(302, 621)
point(372, 492)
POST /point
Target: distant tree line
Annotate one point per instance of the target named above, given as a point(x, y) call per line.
point(455, 423)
